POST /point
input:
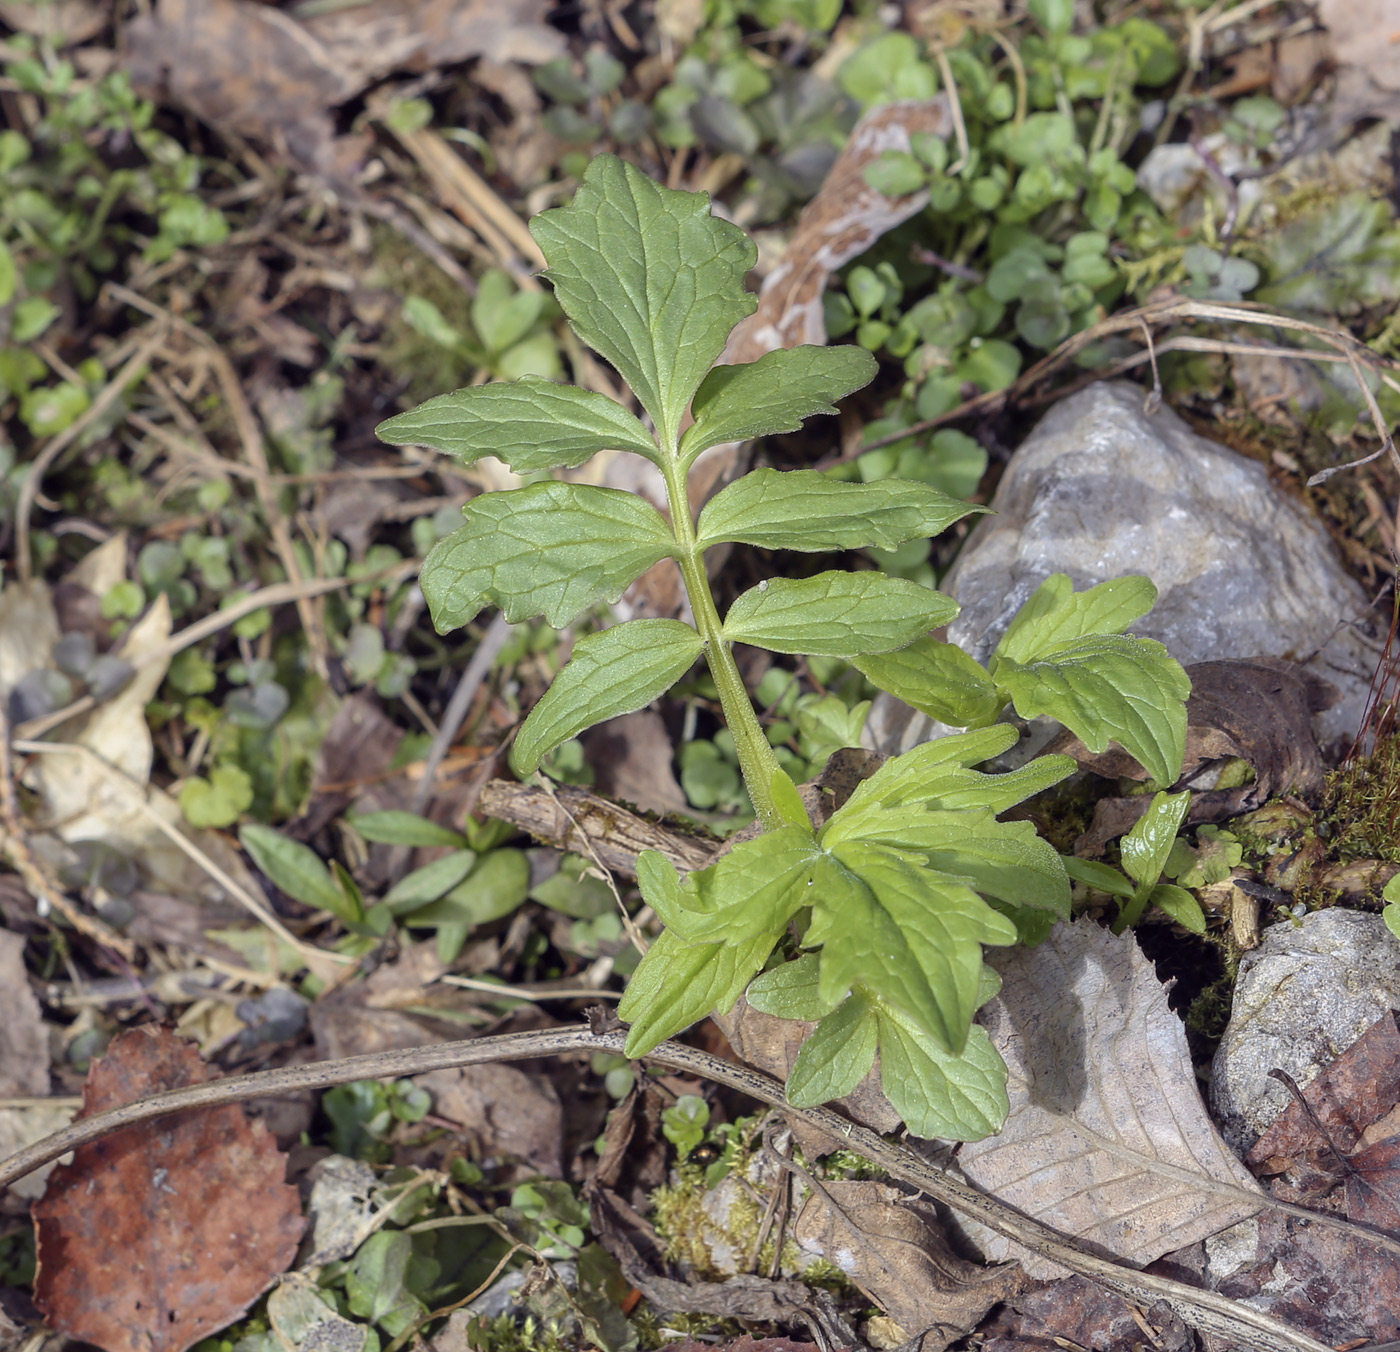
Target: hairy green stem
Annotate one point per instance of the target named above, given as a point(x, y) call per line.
point(757, 763)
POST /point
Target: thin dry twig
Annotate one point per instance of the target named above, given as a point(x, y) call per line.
point(1204, 1310)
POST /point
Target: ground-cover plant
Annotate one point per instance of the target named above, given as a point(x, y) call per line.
point(888, 905)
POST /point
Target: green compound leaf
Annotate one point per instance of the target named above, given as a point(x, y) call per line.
point(678, 984)
point(1058, 614)
point(532, 424)
point(791, 991)
point(803, 509)
point(616, 672)
point(553, 549)
point(1108, 687)
point(938, 679)
point(650, 279)
point(912, 935)
point(952, 1098)
point(756, 888)
point(1145, 848)
point(837, 1057)
point(836, 614)
point(776, 393)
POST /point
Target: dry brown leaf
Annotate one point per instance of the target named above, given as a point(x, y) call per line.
point(61, 22)
point(1107, 1139)
point(1365, 38)
point(893, 1248)
point(631, 757)
point(24, 1042)
point(503, 1111)
point(162, 1233)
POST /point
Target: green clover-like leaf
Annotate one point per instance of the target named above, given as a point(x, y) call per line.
point(803, 509)
point(776, 393)
point(938, 679)
point(553, 549)
point(1106, 687)
point(616, 672)
point(531, 424)
point(836, 614)
point(648, 278)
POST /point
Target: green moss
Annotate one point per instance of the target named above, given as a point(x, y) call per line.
point(1361, 805)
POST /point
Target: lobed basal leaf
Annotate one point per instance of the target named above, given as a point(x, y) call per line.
point(553, 549)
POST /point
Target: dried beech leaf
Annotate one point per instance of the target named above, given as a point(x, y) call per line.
point(893, 1248)
point(1107, 1138)
point(164, 1232)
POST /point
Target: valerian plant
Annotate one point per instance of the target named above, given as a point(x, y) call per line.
point(888, 905)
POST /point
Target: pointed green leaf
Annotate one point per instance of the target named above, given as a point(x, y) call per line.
point(803, 509)
point(553, 549)
point(791, 990)
point(650, 279)
point(297, 870)
point(660, 884)
point(950, 1098)
point(497, 886)
point(427, 884)
point(394, 827)
point(616, 672)
point(757, 887)
point(789, 802)
point(530, 423)
point(776, 393)
point(678, 984)
point(1058, 614)
point(938, 679)
point(1108, 687)
point(1100, 877)
point(1145, 848)
point(1178, 903)
point(926, 777)
point(836, 614)
point(911, 935)
point(837, 1056)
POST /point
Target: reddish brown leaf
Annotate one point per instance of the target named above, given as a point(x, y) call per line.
point(164, 1232)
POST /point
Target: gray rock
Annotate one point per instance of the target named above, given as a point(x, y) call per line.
point(1101, 489)
point(1301, 999)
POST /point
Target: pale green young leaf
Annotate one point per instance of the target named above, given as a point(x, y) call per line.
point(612, 673)
point(553, 549)
point(1006, 860)
point(758, 886)
point(950, 1098)
point(678, 984)
point(804, 510)
point(791, 990)
point(1180, 905)
point(428, 883)
point(298, 871)
point(1057, 614)
point(394, 827)
point(1146, 847)
point(650, 279)
point(1391, 891)
point(836, 614)
point(837, 1056)
point(1108, 687)
point(789, 802)
point(660, 885)
point(925, 778)
point(1100, 877)
point(938, 679)
point(912, 935)
point(532, 424)
point(776, 393)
